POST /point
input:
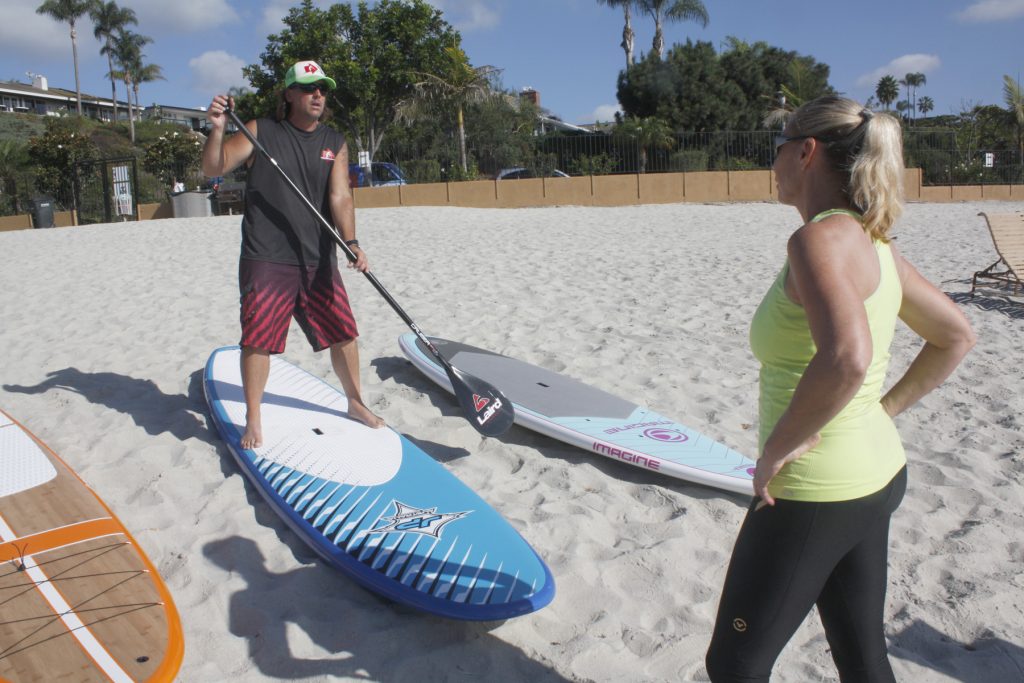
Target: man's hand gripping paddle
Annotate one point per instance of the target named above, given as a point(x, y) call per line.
point(484, 406)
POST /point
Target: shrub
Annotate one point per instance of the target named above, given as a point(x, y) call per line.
point(174, 156)
point(55, 154)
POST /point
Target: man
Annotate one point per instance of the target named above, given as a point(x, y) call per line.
point(288, 266)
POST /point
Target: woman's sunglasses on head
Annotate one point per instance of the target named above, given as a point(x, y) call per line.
point(780, 140)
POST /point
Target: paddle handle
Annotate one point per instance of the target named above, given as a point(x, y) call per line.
point(333, 233)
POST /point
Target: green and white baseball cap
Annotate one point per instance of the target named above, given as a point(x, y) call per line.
point(307, 72)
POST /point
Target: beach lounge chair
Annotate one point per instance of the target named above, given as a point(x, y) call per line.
point(1007, 231)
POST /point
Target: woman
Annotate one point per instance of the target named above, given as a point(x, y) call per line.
point(832, 469)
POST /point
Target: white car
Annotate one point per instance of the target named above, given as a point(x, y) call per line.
point(519, 173)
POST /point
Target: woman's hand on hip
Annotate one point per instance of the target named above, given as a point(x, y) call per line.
point(768, 467)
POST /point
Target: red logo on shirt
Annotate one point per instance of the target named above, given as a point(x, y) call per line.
point(327, 155)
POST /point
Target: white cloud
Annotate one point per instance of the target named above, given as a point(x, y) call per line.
point(28, 34)
point(273, 13)
point(216, 71)
point(985, 11)
point(468, 15)
point(182, 15)
point(900, 67)
point(605, 113)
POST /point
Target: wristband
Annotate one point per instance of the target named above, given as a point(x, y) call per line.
point(351, 243)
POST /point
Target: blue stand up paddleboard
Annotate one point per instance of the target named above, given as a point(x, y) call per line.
point(372, 504)
point(584, 416)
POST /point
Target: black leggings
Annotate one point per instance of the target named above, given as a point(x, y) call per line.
point(794, 555)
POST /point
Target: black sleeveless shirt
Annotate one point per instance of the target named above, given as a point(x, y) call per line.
point(278, 226)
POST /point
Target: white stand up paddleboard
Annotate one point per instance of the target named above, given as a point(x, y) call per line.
point(581, 415)
point(372, 504)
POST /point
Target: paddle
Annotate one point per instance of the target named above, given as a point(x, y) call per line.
point(484, 406)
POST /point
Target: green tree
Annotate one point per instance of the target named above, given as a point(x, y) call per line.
point(1013, 95)
point(693, 89)
point(887, 90)
point(647, 133)
point(673, 10)
point(109, 19)
point(372, 52)
point(773, 80)
point(689, 90)
point(463, 84)
point(627, 28)
point(54, 155)
point(13, 162)
point(925, 105)
point(69, 11)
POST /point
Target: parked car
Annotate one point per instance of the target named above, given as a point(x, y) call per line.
point(520, 173)
point(382, 173)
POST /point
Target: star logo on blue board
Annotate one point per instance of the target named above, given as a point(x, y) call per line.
point(426, 521)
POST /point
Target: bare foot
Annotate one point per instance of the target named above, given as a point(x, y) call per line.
point(253, 436)
point(359, 411)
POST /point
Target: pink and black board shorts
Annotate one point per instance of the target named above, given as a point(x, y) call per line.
point(273, 293)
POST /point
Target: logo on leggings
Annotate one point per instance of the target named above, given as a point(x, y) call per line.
point(739, 624)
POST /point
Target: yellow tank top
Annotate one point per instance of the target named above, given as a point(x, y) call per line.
point(860, 450)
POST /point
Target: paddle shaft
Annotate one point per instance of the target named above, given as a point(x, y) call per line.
point(333, 232)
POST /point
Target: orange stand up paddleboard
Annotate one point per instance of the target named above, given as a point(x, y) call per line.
point(79, 600)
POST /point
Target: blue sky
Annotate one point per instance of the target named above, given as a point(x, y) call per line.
point(568, 50)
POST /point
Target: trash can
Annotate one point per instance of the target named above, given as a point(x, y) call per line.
point(42, 211)
point(191, 204)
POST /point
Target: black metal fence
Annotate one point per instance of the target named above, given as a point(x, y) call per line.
point(943, 162)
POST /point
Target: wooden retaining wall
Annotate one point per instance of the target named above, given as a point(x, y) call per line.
point(610, 190)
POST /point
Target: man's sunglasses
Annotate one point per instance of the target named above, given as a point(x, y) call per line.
point(311, 87)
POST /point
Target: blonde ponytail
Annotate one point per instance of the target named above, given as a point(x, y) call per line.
point(876, 176)
point(866, 150)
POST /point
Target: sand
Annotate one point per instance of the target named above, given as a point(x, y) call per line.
point(106, 328)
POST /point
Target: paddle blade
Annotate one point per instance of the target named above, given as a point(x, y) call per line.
point(486, 408)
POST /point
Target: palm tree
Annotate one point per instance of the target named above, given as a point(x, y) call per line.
point(128, 54)
point(903, 106)
point(109, 19)
point(925, 105)
point(1013, 95)
point(627, 29)
point(905, 82)
point(69, 11)
point(914, 80)
point(674, 10)
point(145, 73)
point(647, 132)
point(462, 84)
point(887, 90)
